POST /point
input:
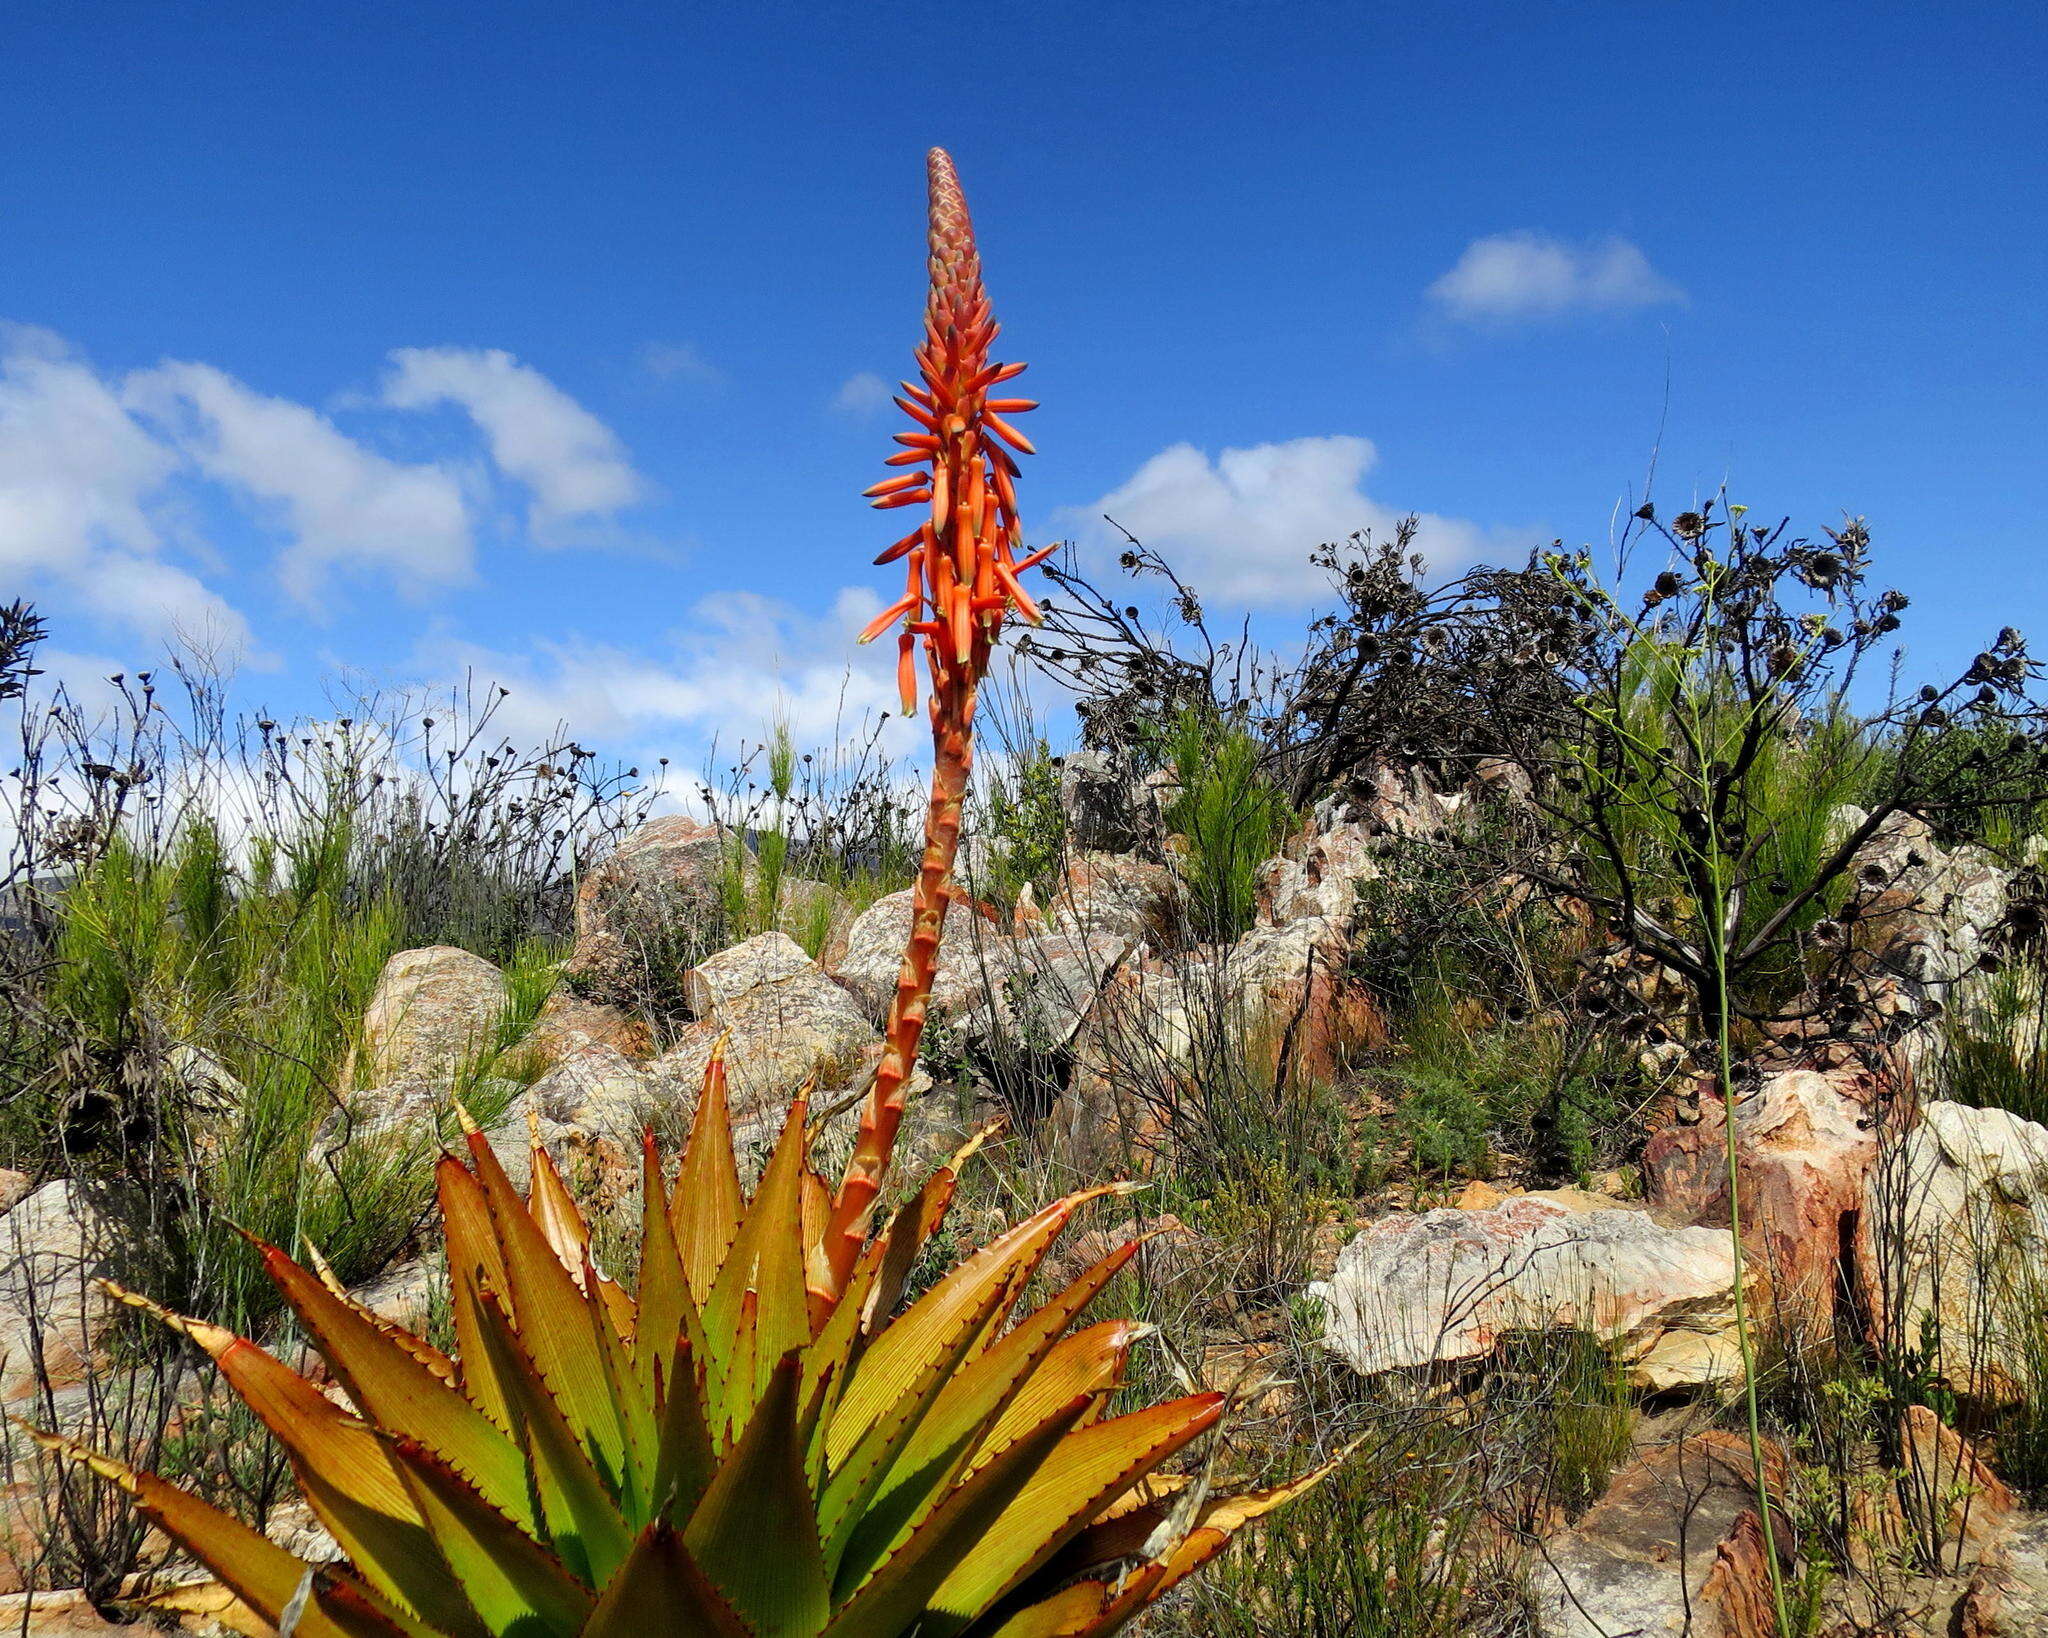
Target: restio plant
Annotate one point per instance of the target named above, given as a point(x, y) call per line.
point(761, 1440)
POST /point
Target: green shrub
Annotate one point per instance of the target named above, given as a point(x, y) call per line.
point(1233, 818)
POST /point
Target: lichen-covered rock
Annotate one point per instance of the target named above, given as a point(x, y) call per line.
point(1119, 895)
point(567, 1022)
point(432, 1010)
point(1956, 1236)
point(873, 955)
point(1448, 1284)
point(657, 901)
point(766, 959)
point(54, 1244)
point(790, 1024)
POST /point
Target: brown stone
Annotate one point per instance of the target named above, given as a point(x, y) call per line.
point(1806, 1149)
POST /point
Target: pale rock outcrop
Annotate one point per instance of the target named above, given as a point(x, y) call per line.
point(1653, 1556)
point(1957, 1235)
point(1448, 1284)
point(784, 1023)
point(1118, 895)
point(1806, 1142)
point(53, 1245)
point(432, 1010)
point(1319, 874)
point(873, 955)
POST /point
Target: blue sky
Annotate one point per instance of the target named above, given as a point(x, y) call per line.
point(546, 339)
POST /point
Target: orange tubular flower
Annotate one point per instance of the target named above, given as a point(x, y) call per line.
point(962, 579)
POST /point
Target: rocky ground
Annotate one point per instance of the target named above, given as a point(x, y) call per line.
point(1863, 1206)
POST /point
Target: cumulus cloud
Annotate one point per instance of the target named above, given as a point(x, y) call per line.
point(82, 501)
point(741, 662)
point(862, 395)
point(1240, 528)
point(539, 436)
point(1509, 276)
point(340, 503)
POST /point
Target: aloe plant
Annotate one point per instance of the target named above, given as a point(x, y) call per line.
point(727, 1450)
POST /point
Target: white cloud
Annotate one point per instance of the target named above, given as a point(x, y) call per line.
point(343, 505)
point(679, 361)
point(82, 492)
point(1507, 276)
point(1240, 529)
point(862, 395)
point(539, 435)
point(742, 662)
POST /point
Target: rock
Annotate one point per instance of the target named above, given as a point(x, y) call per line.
point(1320, 873)
point(1033, 994)
point(1119, 895)
point(1957, 1227)
point(874, 955)
point(657, 902)
point(14, 1188)
point(1641, 1558)
point(1448, 1284)
point(1948, 1490)
point(788, 1025)
point(2017, 1601)
point(1806, 1146)
point(406, 1295)
point(1295, 998)
point(432, 1010)
point(567, 1022)
point(53, 1244)
point(766, 959)
point(1104, 809)
point(596, 1091)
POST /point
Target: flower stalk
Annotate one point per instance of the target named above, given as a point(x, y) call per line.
point(962, 572)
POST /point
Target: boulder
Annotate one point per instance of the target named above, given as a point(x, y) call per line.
point(432, 1010)
point(1106, 809)
point(1955, 1236)
point(766, 959)
point(1806, 1143)
point(596, 1091)
point(873, 955)
point(783, 1021)
point(657, 901)
point(1671, 1550)
point(1034, 993)
point(1319, 874)
point(1447, 1285)
point(54, 1244)
point(1119, 895)
point(568, 1021)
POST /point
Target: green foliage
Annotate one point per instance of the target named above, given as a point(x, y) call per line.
point(1024, 824)
point(210, 1012)
point(1994, 1046)
point(1462, 1095)
point(1233, 817)
point(1377, 1551)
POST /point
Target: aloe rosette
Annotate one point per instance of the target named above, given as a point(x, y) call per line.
point(721, 1451)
